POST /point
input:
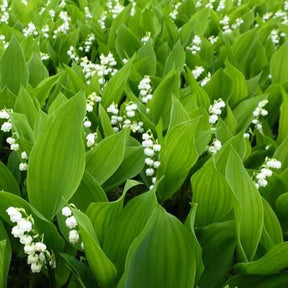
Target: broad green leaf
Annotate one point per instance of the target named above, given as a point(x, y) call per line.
point(58, 102)
point(249, 54)
point(239, 86)
point(259, 281)
point(13, 67)
point(275, 260)
point(283, 120)
point(127, 227)
point(218, 246)
point(281, 153)
point(37, 70)
point(104, 214)
point(104, 159)
point(81, 271)
point(248, 209)
point(197, 24)
point(189, 224)
point(160, 104)
point(281, 205)
point(115, 87)
point(220, 86)
point(272, 232)
point(178, 113)
point(212, 194)
point(52, 238)
point(87, 192)
point(5, 256)
point(147, 62)
point(7, 181)
point(58, 147)
point(279, 65)
point(176, 59)
point(177, 157)
point(103, 269)
point(126, 42)
point(105, 122)
point(162, 255)
point(25, 105)
point(7, 98)
point(132, 165)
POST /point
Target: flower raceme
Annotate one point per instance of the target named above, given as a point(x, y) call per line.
point(38, 255)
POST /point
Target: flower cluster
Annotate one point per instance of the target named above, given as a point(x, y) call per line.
point(215, 110)
point(173, 14)
point(73, 54)
point(127, 120)
point(225, 24)
point(38, 255)
point(197, 71)
point(257, 113)
point(151, 151)
point(91, 100)
point(106, 68)
point(195, 47)
point(7, 125)
point(113, 9)
point(88, 42)
point(90, 139)
point(30, 29)
point(65, 26)
point(146, 37)
point(23, 166)
point(87, 12)
point(206, 79)
point(260, 176)
point(221, 5)
point(3, 40)
point(145, 90)
point(213, 39)
point(72, 224)
point(4, 13)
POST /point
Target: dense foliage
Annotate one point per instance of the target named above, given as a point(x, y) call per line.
point(144, 143)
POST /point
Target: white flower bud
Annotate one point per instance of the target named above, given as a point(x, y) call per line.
point(273, 163)
point(14, 214)
point(10, 140)
point(149, 152)
point(6, 127)
point(25, 225)
point(66, 211)
point(147, 143)
point(32, 258)
point(156, 147)
point(23, 166)
point(40, 247)
point(29, 249)
point(14, 147)
point(4, 114)
point(149, 161)
point(146, 136)
point(71, 222)
point(149, 171)
point(73, 236)
point(36, 267)
point(157, 164)
point(87, 124)
point(267, 172)
point(26, 239)
point(24, 155)
point(262, 182)
point(213, 119)
point(17, 232)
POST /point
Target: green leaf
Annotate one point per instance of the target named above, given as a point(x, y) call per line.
point(116, 85)
point(7, 181)
point(176, 59)
point(212, 194)
point(279, 65)
point(132, 165)
point(13, 67)
point(218, 246)
point(25, 105)
point(104, 214)
point(178, 113)
point(239, 86)
point(105, 122)
point(173, 265)
point(270, 281)
point(52, 238)
point(248, 209)
point(104, 159)
point(103, 269)
point(283, 120)
point(5, 256)
point(127, 227)
point(58, 146)
point(82, 272)
point(177, 157)
point(37, 70)
point(160, 105)
point(275, 260)
point(272, 232)
point(126, 42)
point(87, 192)
point(189, 224)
